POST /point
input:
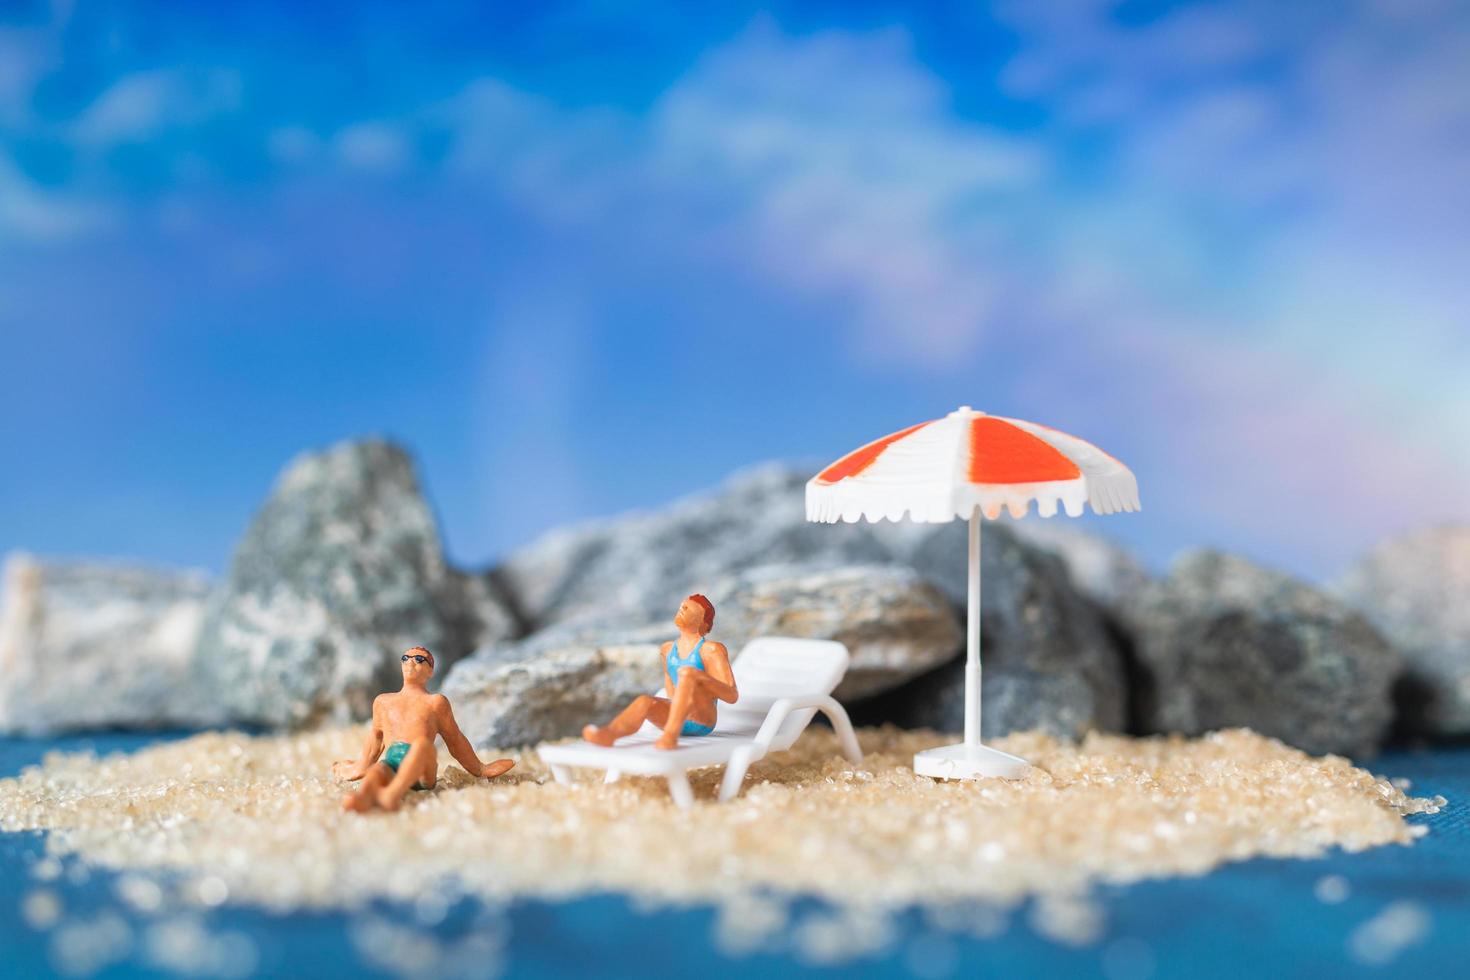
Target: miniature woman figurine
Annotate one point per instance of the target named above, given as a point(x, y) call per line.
point(696, 673)
point(408, 722)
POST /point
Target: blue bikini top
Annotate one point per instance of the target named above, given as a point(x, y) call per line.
point(675, 661)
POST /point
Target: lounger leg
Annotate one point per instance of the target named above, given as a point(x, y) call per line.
point(679, 789)
point(842, 725)
point(613, 775)
point(561, 774)
point(734, 775)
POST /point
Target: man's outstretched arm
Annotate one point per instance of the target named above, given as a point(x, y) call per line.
point(371, 748)
point(459, 746)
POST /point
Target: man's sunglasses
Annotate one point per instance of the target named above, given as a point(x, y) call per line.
point(417, 658)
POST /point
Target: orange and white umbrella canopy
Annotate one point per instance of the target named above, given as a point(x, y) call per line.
point(967, 461)
point(962, 466)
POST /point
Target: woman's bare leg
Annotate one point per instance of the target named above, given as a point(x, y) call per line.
point(644, 706)
point(419, 760)
point(679, 710)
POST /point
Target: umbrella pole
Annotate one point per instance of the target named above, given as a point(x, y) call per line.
point(970, 759)
point(972, 638)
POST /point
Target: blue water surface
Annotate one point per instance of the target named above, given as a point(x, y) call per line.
point(1260, 917)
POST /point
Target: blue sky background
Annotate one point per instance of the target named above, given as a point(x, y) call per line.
point(586, 257)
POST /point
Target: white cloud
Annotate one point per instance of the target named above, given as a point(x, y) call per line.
point(496, 126)
point(567, 167)
point(1355, 113)
point(136, 108)
point(1306, 168)
point(842, 174)
point(143, 105)
point(830, 166)
point(32, 213)
point(1067, 51)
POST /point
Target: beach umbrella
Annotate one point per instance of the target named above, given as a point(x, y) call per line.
point(968, 465)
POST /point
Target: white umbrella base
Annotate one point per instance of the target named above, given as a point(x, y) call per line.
point(968, 762)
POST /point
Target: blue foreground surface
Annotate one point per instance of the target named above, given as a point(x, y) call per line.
point(1262, 917)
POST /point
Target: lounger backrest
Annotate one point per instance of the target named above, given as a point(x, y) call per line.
point(774, 667)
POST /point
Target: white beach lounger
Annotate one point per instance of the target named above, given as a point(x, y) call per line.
point(783, 683)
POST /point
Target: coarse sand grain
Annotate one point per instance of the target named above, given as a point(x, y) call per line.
point(256, 820)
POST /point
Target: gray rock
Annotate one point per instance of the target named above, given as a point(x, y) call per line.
point(583, 670)
point(1100, 568)
point(1223, 642)
point(339, 572)
point(1049, 661)
point(1416, 590)
point(646, 563)
point(92, 646)
point(894, 624)
point(552, 684)
point(476, 611)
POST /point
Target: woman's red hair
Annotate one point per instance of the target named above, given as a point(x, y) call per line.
point(709, 611)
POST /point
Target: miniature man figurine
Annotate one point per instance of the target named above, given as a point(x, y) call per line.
point(696, 673)
point(408, 722)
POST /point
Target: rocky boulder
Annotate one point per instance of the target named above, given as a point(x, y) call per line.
point(92, 646)
point(1223, 642)
point(1049, 661)
point(644, 564)
point(1100, 568)
point(1416, 590)
point(550, 685)
point(339, 572)
point(894, 624)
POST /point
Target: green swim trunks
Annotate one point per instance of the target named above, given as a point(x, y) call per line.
point(393, 758)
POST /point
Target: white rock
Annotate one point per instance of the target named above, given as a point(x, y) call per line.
point(91, 646)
